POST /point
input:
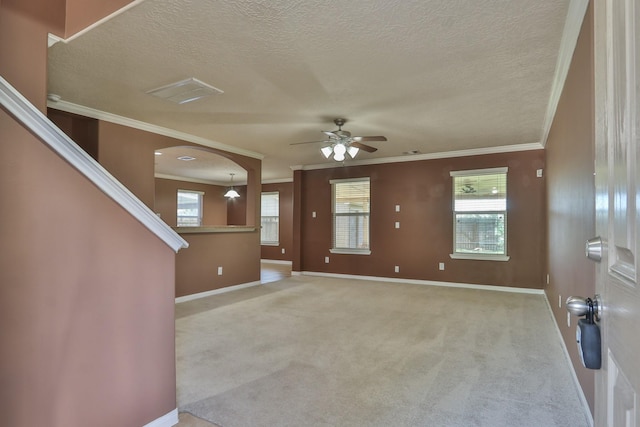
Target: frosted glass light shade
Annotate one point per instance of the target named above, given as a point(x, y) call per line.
point(232, 194)
point(327, 151)
point(353, 151)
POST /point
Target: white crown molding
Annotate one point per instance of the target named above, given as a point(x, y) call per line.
point(81, 110)
point(430, 156)
point(34, 120)
point(428, 283)
point(277, 181)
point(167, 420)
point(197, 180)
point(53, 39)
point(572, 26)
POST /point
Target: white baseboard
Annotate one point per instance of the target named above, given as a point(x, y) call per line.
point(216, 291)
point(276, 261)
point(581, 396)
point(167, 420)
point(427, 282)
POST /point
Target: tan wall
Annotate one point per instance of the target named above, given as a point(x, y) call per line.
point(423, 189)
point(571, 195)
point(88, 324)
point(197, 268)
point(285, 190)
point(214, 209)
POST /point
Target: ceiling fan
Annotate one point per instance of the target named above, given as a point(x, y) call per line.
point(341, 142)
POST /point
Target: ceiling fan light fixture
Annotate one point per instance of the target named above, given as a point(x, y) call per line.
point(327, 151)
point(339, 151)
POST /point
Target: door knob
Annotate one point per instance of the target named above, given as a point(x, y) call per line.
point(593, 249)
point(579, 306)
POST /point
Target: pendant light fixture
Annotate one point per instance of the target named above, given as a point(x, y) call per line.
point(231, 193)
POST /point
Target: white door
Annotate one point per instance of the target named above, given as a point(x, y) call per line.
point(617, 76)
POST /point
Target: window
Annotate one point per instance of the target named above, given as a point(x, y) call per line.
point(351, 208)
point(270, 219)
point(189, 208)
point(480, 214)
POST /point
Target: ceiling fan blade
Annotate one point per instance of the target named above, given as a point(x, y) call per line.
point(369, 138)
point(363, 147)
point(308, 142)
point(330, 134)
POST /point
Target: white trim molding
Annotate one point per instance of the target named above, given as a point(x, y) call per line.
point(216, 291)
point(277, 261)
point(572, 26)
point(34, 120)
point(480, 257)
point(53, 39)
point(81, 110)
point(574, 376)
point(167, 420)
point(427, 282)
point(431, 156)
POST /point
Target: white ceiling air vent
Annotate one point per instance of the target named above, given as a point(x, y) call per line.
point(185, 91)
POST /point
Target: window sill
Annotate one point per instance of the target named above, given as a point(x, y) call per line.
point(351, 251)
point(481, 257)
point(270, 243)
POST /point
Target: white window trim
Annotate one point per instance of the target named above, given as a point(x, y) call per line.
point(348, 251)
point(480, 257)
point(477, 257)
point(201, 210)
point(488, 171)
point(270, 242)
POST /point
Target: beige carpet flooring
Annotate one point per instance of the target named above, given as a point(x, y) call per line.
point(312, 351)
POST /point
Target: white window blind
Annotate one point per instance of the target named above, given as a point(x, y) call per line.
point(270, 218)
point(189, 208)
point(351, 209)
point(480, 211)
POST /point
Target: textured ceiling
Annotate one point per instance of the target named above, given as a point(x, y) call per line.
point(430, 75)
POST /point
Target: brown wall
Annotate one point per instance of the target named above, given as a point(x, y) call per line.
point(214, 209)
point(237, 207)
point(571, 195)
point(197, 268)
point(127, 154)
point(88, 323)
point(285, 190)
point(423, 189)
point(82, 130)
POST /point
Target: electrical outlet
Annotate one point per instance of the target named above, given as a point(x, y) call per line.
point(397, 208)
point(539, 173)
point(313, 214)
point(326, 260)
point(397, 269)
point(441, 266)
point(282, 250)
point(397, 224)
point(219, 271)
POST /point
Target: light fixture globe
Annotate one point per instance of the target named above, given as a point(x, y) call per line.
point(327, 151)
point(231, 193)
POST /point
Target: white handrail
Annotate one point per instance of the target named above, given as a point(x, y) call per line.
point(34, 120)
